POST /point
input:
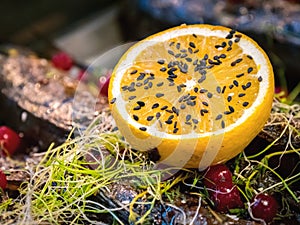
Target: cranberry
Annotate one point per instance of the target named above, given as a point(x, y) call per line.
point(9, 140)
point(218, 175)
point(226, 198)
point(62, 60)
point(3, 180)
point(264, 207)
point(103, 85)
point(218, 180)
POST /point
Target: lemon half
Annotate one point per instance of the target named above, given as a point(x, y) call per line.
point(198, 94)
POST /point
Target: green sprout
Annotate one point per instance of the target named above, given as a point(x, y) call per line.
point(73, 183)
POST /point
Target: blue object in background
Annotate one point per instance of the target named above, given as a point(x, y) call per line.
point(281, 19)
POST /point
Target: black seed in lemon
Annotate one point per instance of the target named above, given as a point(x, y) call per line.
point(133, 72)
point(209, 95)
point(168, 121)
point(155, 105)
point(192, 44)
point(229, 36)
point(246, 86)
point(205, 103)
point(184, 55)
point(171, 117)
point(218, 117)
point(223, 89)
point(161, 61)
point(131, 97)
point(159, 95)
point(245, 104)
point(143, 128)
point(177, 55)
point(160, 84)
point(149, 118)
point(203, 91)
point(237, 40)
point(250, 69)
point(137, 107)
point(171, 52)
point(188, 117)
point(236, 83)
point(141, 103)
point(203, 77)
point(164, 107)
point(113, 101)
point(175, 110)
point(222, 56)
point(223, 124)
point(141, 76)
point(229, 98)
point(203, 111)
point(195, 121)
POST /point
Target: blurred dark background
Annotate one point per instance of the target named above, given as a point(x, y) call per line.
point(36, 23)
point(85, 29)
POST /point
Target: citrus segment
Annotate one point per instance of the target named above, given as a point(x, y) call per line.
point(181, 87)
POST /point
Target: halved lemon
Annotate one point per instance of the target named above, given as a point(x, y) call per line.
point(198, 94)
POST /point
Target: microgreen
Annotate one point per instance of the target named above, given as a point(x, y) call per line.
point(74, 183)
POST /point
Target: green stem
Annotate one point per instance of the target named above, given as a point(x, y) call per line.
point(248, 189)
point(269, 146)
point(243, 193)
point(293, 177)
point(282, 181)
point(293, 94)
point(286, 180)
point(281, 153)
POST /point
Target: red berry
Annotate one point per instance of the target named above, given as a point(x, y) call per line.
point(264, 207)
point(62, 61)
point(218, 180)
point(3, 180)
point(103, 85)
point(9, 140)
point(226, 198)
point(218, 175)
